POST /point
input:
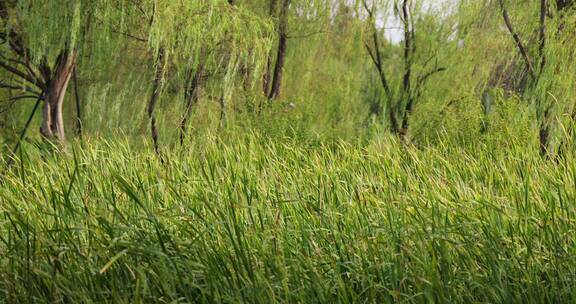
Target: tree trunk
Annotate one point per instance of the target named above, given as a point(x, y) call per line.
point(407, 80)
point(190, 98)
point(52, 119)
point(222, 103)
point(78, 105)
point(156, 87)
point(545, 135)
point(281, 54)
point(406, 120)
point(393, 120)
point(544, 139)
point(266, 78)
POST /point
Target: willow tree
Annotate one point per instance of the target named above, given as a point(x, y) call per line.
point(273, 78)
point(39, 53)
point(292, 19)
point(191, 39)
point(403, 85)
point(43, 42)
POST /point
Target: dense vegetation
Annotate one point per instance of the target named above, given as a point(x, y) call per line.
point(287, 151)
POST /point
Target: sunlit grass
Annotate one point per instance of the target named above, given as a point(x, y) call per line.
point(262, 222)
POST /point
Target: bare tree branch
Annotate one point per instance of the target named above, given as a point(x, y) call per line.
point(518, 40)
point(16, 87)
point(424, 78)
point(376, 53)
point(542, 49)
point(11, 101)
point(21, 74)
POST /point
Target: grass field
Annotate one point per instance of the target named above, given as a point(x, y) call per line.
point(257, 221)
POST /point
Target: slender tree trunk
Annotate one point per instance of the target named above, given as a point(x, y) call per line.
point(278, 69)
point(52, 119)
point(543, 31)
point(407, 80)
point(190, 98)
point(156, 88)
point(545, 135)
point(545, 122)
point(393, 120)
point(406, 119)
point(281, 53)
point(78, 105)
point(519, 44)
point(544, 139)
point(222, 103)
point(267, 74)
point(376, 55)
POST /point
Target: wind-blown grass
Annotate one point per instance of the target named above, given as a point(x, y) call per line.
point(262, 222)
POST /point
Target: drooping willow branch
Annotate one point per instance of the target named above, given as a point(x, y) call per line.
point(24, 130)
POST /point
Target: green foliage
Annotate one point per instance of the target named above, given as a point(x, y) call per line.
point(309, 198)
point(330, 87)
point(212, 32)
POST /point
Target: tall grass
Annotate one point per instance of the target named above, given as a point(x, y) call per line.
point(261, 222)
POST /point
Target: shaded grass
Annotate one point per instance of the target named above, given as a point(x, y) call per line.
point(262, 222)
